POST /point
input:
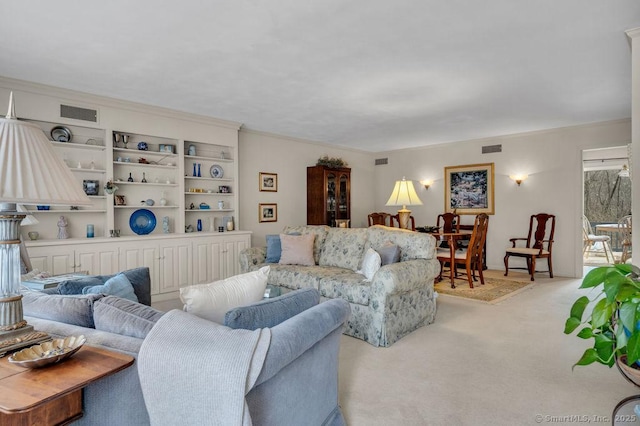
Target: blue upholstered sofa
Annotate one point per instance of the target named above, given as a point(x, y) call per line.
point(399, 297)
point(303, 337)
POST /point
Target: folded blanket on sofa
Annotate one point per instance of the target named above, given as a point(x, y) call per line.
point(202, 355)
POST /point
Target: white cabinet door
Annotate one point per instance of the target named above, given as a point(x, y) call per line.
point(230, 260)
point(60, 260)
point(175, 265)
point(201, 261)
point(97, 260)
point(135, 255)
point(217, 257)
point(207, 255)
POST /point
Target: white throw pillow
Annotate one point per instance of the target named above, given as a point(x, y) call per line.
point(370, 264)
point(211, 301)
point(297, 249)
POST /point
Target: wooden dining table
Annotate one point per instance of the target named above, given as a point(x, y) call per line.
point(609, 228)
point(452, 238)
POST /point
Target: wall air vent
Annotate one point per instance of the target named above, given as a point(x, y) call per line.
point(488, 149)
point(76, 113)
point(381, 161)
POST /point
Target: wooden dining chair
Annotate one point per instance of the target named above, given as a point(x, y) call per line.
point(379, 218)
point(471, 256)
point(395, 222)
point(450, 222)
point(590, 241)
point(539, 243)
point(624, 229)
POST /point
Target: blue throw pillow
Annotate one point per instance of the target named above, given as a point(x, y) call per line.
point(76, 286)
point(271, 312)
point(274, 249)
point(117, 286)
point(138, 277)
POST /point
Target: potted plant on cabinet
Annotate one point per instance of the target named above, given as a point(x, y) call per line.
point(613, 320)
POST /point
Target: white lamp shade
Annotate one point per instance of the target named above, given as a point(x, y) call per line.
point(30, 219)
point(404, 194)
point(31, 172)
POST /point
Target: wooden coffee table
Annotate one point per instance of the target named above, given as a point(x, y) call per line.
point(52, 395)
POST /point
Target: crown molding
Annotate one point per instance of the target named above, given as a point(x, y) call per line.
point(633, 33)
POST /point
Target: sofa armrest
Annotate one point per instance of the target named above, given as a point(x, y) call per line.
point(402, 277)
point(273, 311)
point(252, 256)
point(293, 337)
point(179, 361)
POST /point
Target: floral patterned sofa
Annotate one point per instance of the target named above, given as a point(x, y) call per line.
point(397, 300)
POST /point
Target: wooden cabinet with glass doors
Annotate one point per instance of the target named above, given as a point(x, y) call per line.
point(328, 196)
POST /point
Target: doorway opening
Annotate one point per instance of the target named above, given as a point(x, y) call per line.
point(607, 202)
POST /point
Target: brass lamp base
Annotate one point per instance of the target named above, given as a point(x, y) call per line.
point(403, 218)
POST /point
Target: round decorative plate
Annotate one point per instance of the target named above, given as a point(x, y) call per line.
point(61, 134)
point(142, 222)
point(48, 352)
point(216, 171)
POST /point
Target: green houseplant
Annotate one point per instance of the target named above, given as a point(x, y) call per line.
point(613, 320)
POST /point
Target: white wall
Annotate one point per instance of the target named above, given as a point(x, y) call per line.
point(551, 158)
point(289, 158)
point(634, 38)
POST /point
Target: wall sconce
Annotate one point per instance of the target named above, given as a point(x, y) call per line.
point(426, 183)
point(518, 178)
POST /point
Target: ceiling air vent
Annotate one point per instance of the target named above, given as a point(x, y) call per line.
point(488, 149)
point(381, 161)
point(76, 113)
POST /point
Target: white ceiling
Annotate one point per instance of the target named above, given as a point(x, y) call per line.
point(367, 74)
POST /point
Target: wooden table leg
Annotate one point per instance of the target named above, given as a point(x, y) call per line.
point(452, 260)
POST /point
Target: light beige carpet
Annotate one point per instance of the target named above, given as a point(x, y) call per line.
point(494, 290)
point(479, 364)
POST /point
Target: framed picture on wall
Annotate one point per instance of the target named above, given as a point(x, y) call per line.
point(469, 189)
point(91, 187)
point(268, 182)
point(267, 212)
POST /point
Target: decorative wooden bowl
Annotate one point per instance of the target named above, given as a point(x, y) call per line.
point(48, 353)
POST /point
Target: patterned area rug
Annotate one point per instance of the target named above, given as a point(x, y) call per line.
point(494, 290)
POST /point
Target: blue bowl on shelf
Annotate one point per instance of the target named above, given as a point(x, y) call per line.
point(142, 222)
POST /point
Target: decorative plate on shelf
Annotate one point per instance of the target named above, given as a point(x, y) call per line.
point(48, 352)
point(142, 222)
point(61, 134)
point(216, 171)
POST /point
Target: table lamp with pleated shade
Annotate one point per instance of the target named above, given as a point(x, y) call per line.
point(404, 194)
point(30, 173)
